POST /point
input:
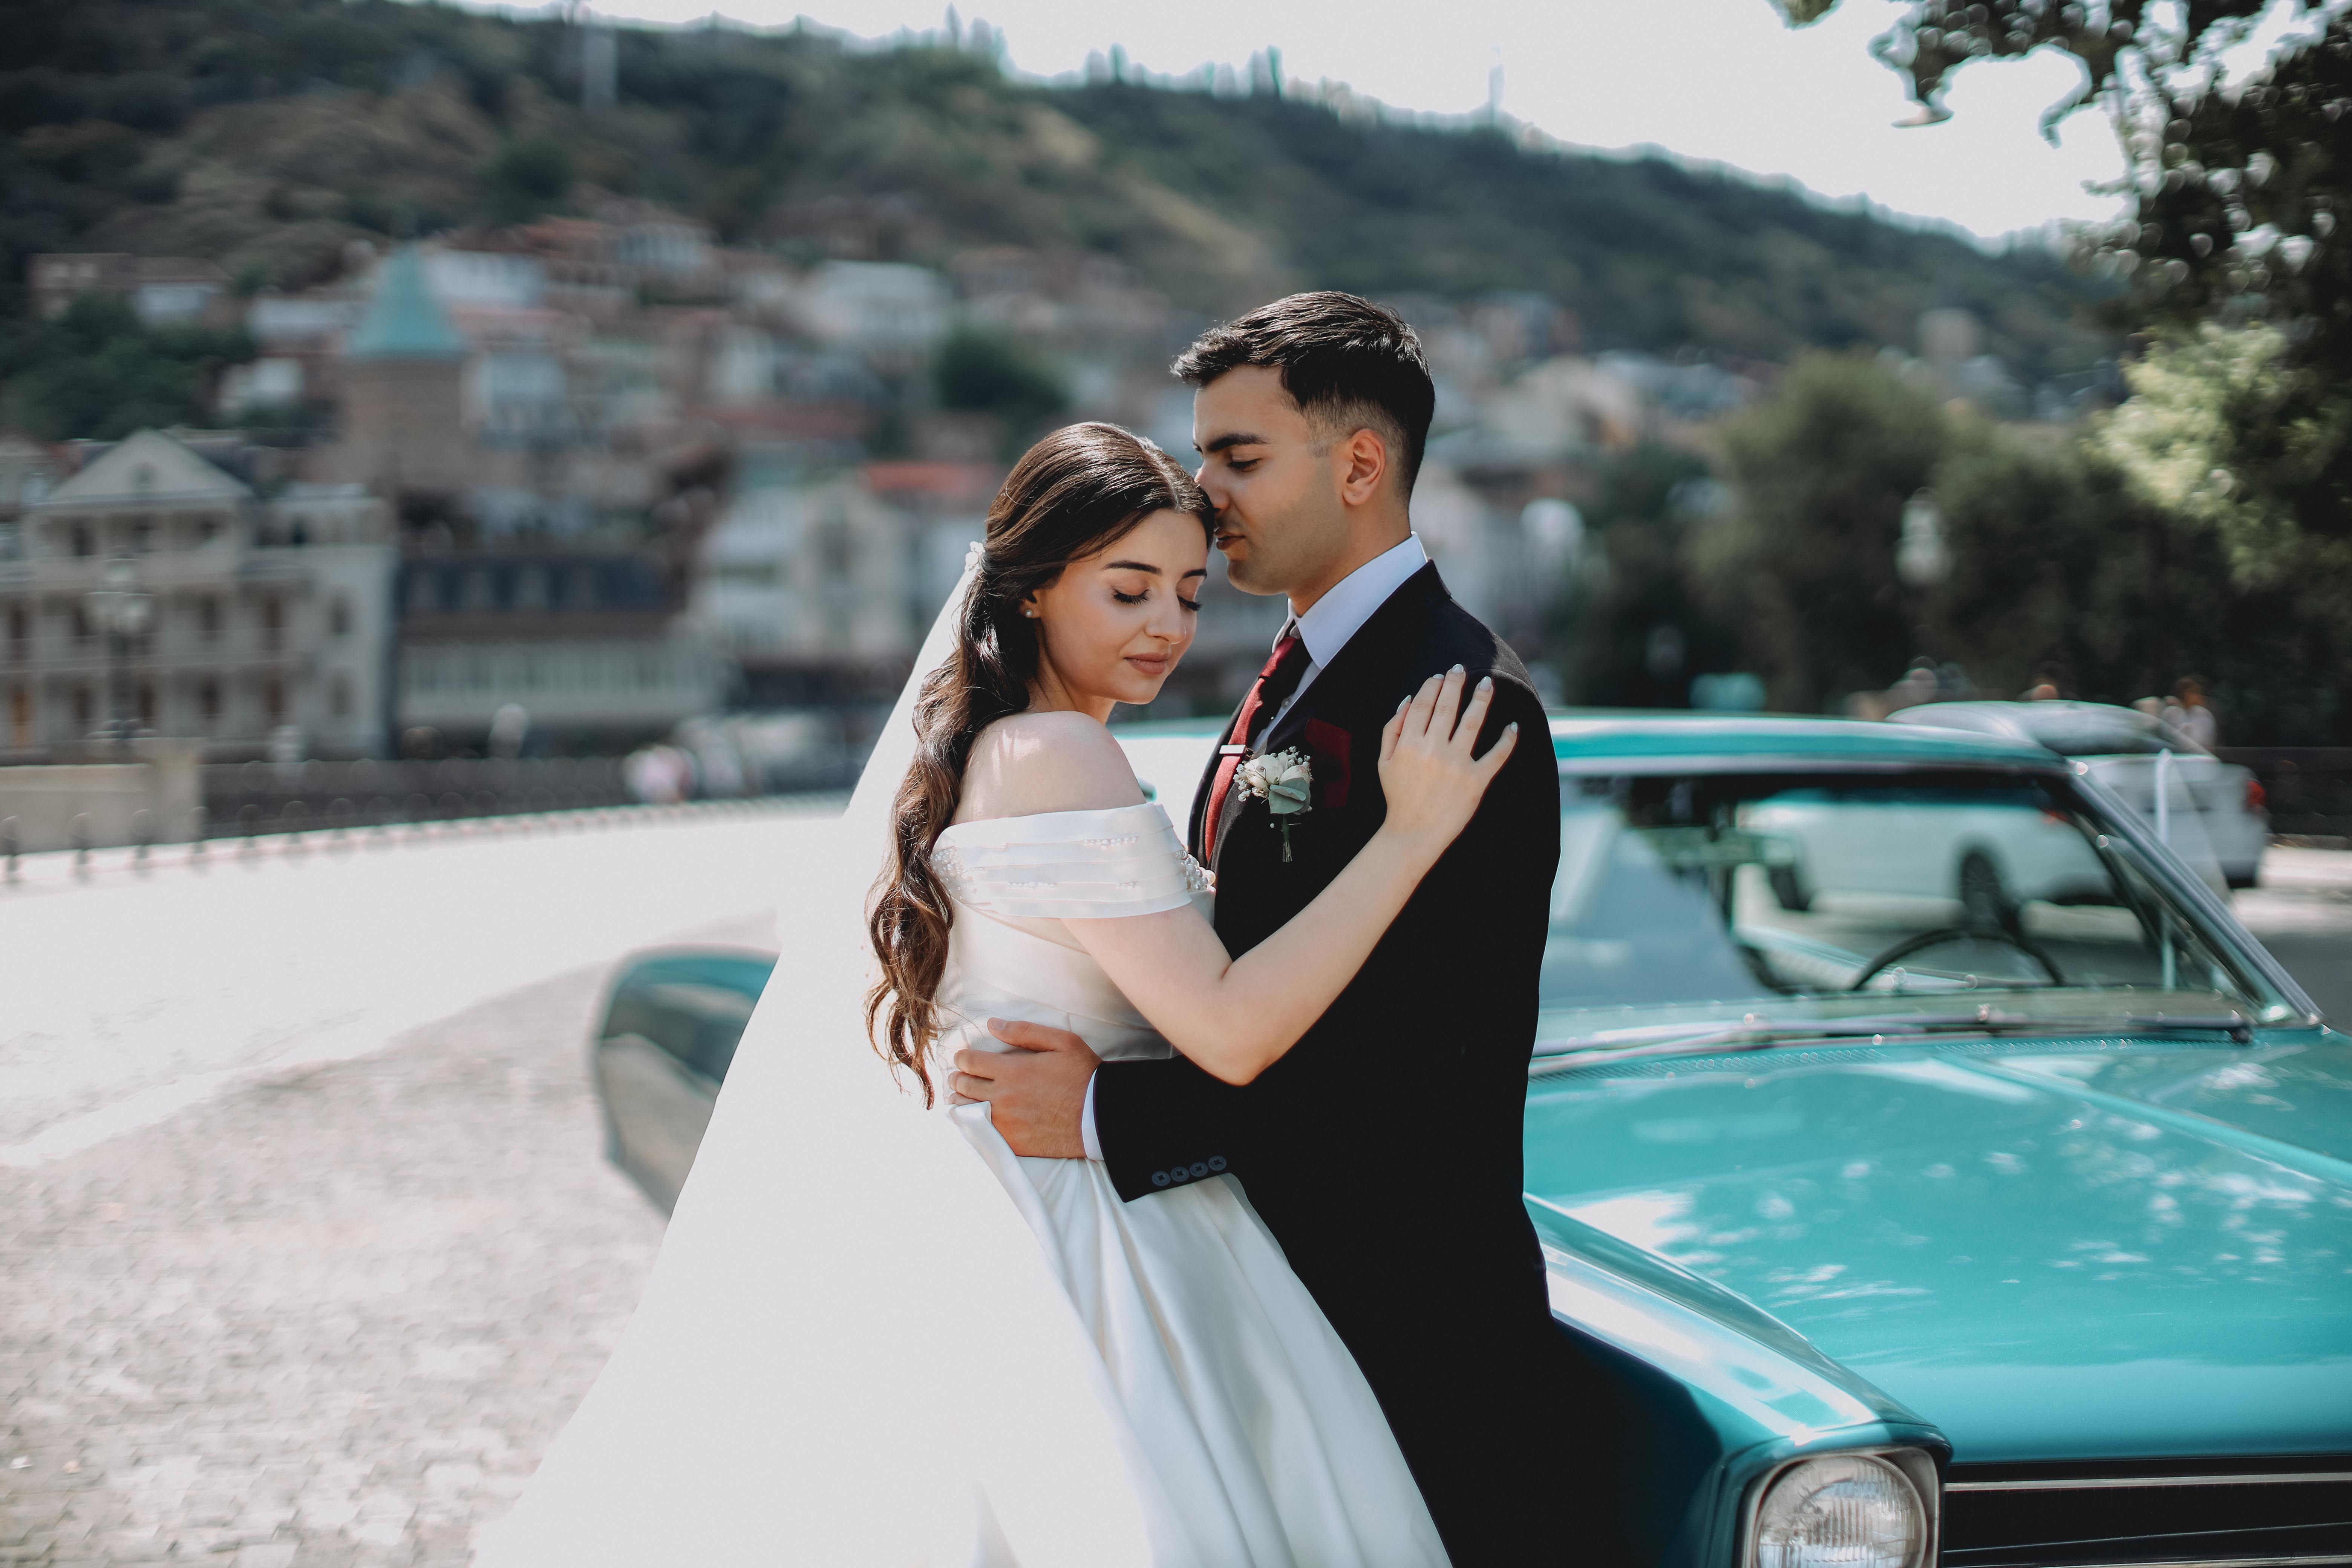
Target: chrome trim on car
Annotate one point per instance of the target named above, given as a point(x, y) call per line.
point(1607, 762)
point(2062, 1484)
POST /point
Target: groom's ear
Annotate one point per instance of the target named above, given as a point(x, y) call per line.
point(1362, 460)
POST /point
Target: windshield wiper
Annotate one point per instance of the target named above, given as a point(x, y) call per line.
point(1756, 1032)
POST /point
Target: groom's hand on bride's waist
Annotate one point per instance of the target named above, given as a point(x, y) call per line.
point(1036, 1092)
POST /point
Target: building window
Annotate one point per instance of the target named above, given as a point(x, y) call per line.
point(142, 536)
point(833, 548)
point(84, 708)
point(207, 530)
point(208, 703)
point(20, 634)
point(584, 593)
point(208, 618)
point(339, 696)
point(423, 593)
point(481, 590)
point(82, 543)
point(530, 589)
point(273, 702)
point(273, 625)
point(339, 617)
point(80, 618)
point(147, 704)
point(20, 718)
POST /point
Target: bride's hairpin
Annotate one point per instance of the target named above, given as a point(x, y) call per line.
point(976, 556)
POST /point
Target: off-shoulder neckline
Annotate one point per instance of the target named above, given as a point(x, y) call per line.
point(1040, 821)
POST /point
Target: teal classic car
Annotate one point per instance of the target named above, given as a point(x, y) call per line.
point(2007, 1226)
point(1909, 1214)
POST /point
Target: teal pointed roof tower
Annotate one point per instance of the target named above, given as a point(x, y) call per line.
point(406, 320)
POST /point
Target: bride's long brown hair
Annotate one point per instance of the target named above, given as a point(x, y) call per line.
point(1079, 490)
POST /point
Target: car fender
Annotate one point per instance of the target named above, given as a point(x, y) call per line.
point(1730, 1392)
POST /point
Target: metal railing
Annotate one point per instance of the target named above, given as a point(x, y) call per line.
point(295, 835)
point(242, 799)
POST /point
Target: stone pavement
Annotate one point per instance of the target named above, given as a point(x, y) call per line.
point(331, 1315)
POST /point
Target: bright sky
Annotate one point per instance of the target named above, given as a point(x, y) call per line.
point(1717, 80)
point(1720, 80)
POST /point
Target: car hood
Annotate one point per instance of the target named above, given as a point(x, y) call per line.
point(2050, 1249)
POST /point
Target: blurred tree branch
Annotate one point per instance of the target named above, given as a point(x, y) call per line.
point(2240, 188)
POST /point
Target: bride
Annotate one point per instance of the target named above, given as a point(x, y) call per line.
point(875, 1334)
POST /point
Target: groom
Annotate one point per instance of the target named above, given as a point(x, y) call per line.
point(1384, 1149)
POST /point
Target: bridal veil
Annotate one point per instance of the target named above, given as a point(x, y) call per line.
point(852, 1349)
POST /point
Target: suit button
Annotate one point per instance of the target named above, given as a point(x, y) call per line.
point(1200, 1170)
point(1159, 1178)
point(1216, 1162)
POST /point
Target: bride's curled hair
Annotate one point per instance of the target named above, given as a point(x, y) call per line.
point(1077, 491)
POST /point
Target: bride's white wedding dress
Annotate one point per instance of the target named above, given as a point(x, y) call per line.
point(1261, 1443)
point(876, 1338)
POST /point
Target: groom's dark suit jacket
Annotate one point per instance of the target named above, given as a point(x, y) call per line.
point(1384, 1149)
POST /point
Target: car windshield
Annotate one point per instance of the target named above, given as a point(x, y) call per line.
point(1688, 902)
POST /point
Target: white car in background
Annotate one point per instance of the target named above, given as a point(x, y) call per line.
point(2212, 807)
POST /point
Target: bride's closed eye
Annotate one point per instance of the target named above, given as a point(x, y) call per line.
point(1193, 604)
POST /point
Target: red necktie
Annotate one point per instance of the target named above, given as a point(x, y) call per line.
point(1274, 683)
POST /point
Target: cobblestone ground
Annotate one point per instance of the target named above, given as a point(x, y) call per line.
point(332, 1317)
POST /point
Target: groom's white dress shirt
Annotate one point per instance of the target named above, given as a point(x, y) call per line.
point(1324, 627)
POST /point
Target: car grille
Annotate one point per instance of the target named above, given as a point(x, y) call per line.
point(2239, 1513)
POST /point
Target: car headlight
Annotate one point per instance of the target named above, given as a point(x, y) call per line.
point(1842, 1510)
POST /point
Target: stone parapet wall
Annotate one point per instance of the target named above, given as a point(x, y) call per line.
point(103, 804)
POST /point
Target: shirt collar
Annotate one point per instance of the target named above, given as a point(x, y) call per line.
point(1338, 614)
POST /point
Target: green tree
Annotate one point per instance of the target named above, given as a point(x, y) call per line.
point(96, 371)
point(2243, 451)
point(987, 373)
point(1804, 559)
point(2060, 566)
point(1635, 629)
point(2239, 429)
point(530, 173)
point(2223, 429)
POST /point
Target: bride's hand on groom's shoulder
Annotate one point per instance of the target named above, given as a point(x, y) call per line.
point(1428, 774)
point(1036, 1092)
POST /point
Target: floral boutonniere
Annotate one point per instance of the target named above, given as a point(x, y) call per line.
point(1286, 782)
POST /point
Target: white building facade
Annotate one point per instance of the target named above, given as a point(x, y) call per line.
point(268, 618)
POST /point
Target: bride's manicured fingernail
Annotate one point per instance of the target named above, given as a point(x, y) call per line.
point(1486, 683)
point(1456, 671)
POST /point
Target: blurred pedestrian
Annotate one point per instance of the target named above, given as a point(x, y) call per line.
point(658, 775)
point(2191, 715)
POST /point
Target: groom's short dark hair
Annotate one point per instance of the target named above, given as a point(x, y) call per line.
point(1346, 361)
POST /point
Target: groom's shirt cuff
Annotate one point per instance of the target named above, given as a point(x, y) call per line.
point(1087, 1121)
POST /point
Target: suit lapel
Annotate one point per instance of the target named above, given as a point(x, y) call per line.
point(1365, 662)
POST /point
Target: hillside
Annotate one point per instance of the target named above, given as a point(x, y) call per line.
point(265, 134)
